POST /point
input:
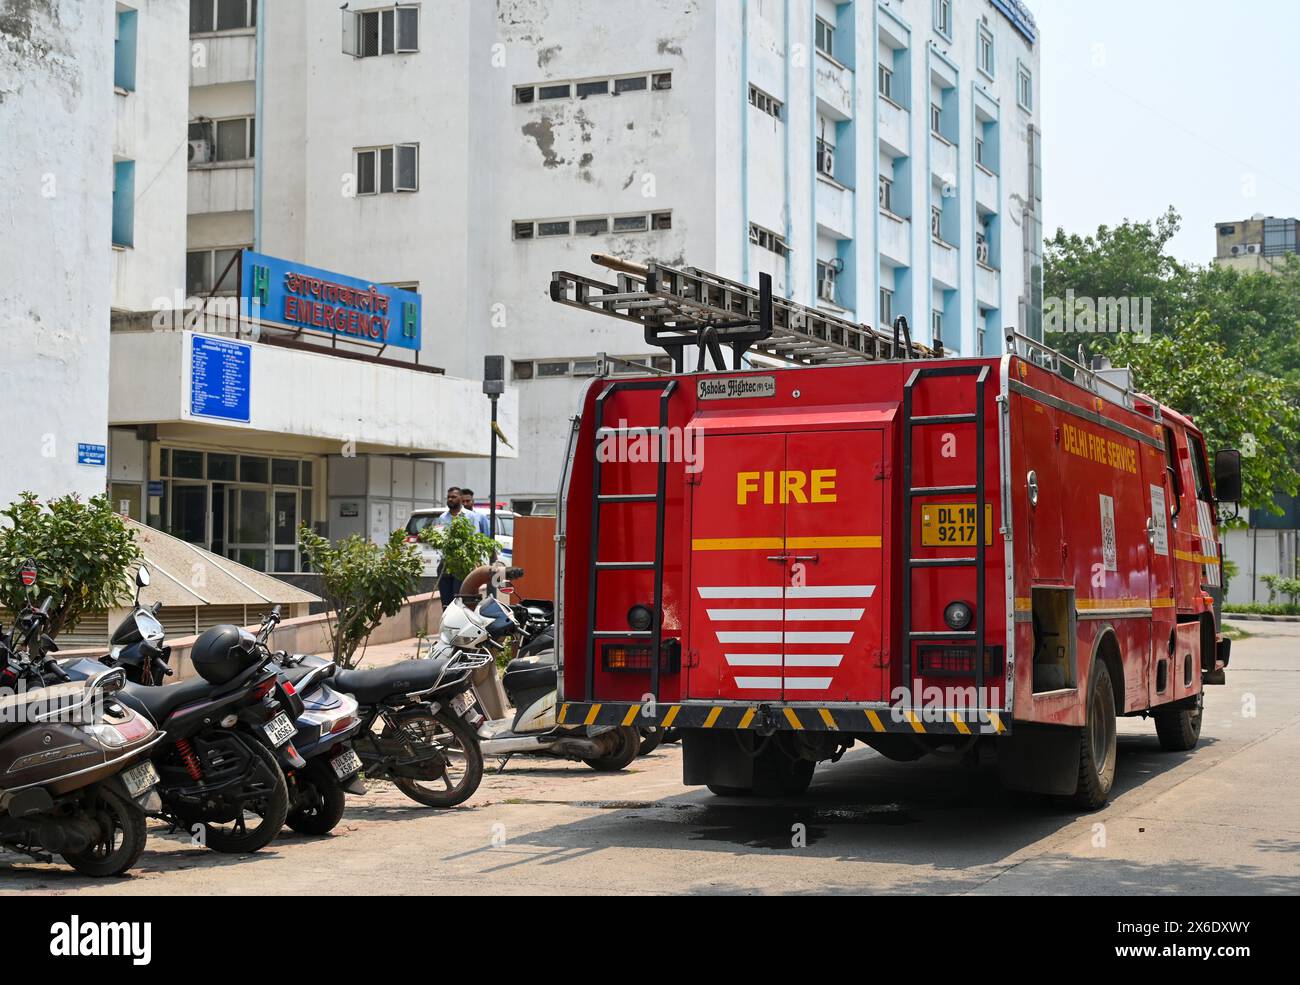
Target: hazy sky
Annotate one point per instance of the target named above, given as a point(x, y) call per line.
point(1151, 103)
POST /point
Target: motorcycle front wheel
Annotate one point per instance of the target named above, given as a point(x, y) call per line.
point(326, 801)
point(122, 830)
point(448, 778)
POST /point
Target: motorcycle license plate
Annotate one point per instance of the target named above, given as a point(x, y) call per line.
point(462, 702)
point(140, 778)
point(345, 764)
point(279, 729)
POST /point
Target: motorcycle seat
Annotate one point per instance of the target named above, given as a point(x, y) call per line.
point(156, 703)
point(372, 686)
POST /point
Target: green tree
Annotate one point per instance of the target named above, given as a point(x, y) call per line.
point(462, 547)
point(83, 554)
point(362, 583)
point(1235, 406)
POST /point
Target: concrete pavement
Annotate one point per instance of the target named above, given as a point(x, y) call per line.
point(1222, 819)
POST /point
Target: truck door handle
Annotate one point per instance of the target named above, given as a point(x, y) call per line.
point(778, 557)
point(804, 557)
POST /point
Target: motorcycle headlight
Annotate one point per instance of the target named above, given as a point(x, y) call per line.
point(467, 636)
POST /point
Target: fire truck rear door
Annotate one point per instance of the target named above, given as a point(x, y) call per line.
point(737, 593)
point(834, 526)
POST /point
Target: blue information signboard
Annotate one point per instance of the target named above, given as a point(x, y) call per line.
point(220, 378)
point(92, 454)
point(303, 297)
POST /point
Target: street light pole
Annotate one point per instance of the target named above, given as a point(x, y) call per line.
point(494, 384)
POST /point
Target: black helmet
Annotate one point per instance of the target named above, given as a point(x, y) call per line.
point(222, 653)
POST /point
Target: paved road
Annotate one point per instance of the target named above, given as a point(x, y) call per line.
point(1224, 818)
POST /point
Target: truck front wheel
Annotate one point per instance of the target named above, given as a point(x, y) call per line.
point(1097, 742)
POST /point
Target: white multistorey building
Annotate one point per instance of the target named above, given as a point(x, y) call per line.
point(877, 159)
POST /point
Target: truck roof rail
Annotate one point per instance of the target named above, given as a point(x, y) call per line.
point(686, 306)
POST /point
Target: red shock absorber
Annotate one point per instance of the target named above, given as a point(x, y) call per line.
point(190, 759)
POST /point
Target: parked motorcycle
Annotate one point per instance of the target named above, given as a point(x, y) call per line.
point(219, 773)
point(417, 724)
point(75, 779)
point(484, 624)
point(319, 764)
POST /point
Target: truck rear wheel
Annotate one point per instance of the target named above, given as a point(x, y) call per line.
point(778, 774)
point(1097, 741)
point(1179, 728)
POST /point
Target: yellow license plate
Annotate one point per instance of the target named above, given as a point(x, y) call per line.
point(953, 524)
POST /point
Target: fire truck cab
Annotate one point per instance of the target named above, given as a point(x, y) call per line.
point(878, 544)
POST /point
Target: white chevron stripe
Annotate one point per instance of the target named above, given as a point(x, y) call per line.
point(753, 659)
point(813, 659)
point(753, 683)
point(830, 591)
point(790, 683)
point(741, 592)
point(749, 637)
point(820, 615)
point(807, 683)
point(818, 637)
point(745, 615)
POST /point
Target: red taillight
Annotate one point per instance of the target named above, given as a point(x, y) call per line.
point(289, 689)
point(264, 688)
point(341, 724)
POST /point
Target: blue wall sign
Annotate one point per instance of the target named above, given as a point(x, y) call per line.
point(92, 454)
point(220, 375)
point(155, 487)
point(302, 297)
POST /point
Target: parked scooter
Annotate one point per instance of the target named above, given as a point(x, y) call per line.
point(75, 779)
point(319, 764)
point(219, 774)
point(482, 623)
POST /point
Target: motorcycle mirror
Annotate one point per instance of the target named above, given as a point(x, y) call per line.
point(141, 576)
point(27, 573)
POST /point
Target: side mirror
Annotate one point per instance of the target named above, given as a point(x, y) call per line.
point(1227, 475)
point(142, 576)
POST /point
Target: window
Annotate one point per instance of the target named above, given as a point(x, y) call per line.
point(982, 249)
point(521, 370)
point(886, 193)
point(207, 16)
point(635, 84)
point(234, 138)
point(936, 120)
point(979, 151)
point(936, 326)
point(943, 17)
point(885, 80)
point(204, 269)
point(984, 51)
point(826, 281)
point(553, 228)
point(1024, 88)
point(936, 222)
point(825, 37)
point(593, 87)
point(886, 306)
point(591, 227)
point(1197, 449)
point(124, 35)
point(383, 31)
point(124, 203)
point(552, 370)
point(768, 240)
point(523, 230)
point(388, 169)
point(661, 220)
point(768, 104)
point(631, 223)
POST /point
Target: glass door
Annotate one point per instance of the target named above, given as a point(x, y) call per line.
point(189, 512)
point(285, 524)
point(249, 525)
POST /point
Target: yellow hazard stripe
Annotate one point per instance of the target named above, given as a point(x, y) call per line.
point(1112, 603)
point(1162, 603)
point(1024, 604)
point(793, 719)
point(591, 715)
point(631, 715)
point(1198, 558)
point(746, 718)
point(997, 721)
point(874, 719)
point(564, 710)
point(962, 727)
point(672, 715)
point(825, 543)
point(914, 721)
point(778, 544)
point(828, 718)
point(713, 716)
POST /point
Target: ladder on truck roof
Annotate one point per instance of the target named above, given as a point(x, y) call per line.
point(599, 499)
point(686, 306)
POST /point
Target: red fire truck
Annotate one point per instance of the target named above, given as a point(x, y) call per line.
point(856, 539)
